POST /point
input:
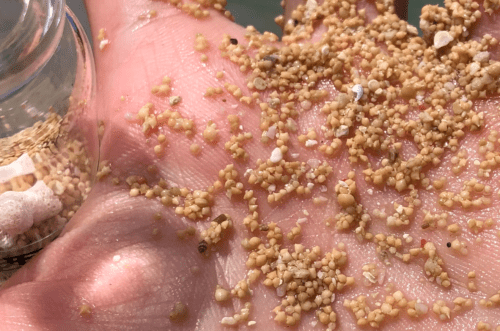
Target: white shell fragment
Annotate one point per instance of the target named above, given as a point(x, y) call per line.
point(411, 29)
point(103, 44)
point(482, 57)
point(474, 67)
point(281, 290)
point(20, 167)
point(129, 117)
point(228, 321)
point(6, 241)
point(311, 5)
point(173, 100)
point(370, 277)
point(20, 210)
point(311, 142)
point(259, 83)
point(313, 163)
point(276, 155)
point(358, 89)
point(421, 308)
point(306, 104)
point(271, 132)
point(442, 38)
point(342, 131)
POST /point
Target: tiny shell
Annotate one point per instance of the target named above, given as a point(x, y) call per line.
point(306, 104)
point(202, 246)
point(313, 163)
point(221, 294)
point(228, 321)
point(442, 38)
point(482, 57)
point(358, 89)
point(22, 166)
point(281, 290)
point(173, 100)
point(259, 83)
point(411, 29)
point(276, 155)
point(421, 308)
point(103, 44)
point(311, 142)
point(221, 218)
point(271, 132)
point(342, 131)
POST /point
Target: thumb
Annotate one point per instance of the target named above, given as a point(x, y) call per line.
point(143, 41)
point(400, 8)
point(130, 27)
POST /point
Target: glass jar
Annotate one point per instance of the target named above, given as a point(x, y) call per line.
point(48, 126)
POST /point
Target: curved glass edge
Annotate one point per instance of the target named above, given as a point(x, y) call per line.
point(83, 44)
point(10, 259)
point(30, 45)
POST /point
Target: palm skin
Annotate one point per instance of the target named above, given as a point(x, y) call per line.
point(154, 271)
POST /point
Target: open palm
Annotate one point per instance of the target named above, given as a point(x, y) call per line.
point(340, 160)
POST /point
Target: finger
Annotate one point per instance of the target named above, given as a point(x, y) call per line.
point(488, 24)
point(288, 8)
point(477, 20)
point(302, 19)
point(110, 211)
point(130, 30)
point(140, 52)
point(401, 9)
point(113, 268)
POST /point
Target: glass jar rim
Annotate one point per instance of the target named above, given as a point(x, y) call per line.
point(30, 44)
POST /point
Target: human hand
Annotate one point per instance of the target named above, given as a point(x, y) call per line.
point(120, 264)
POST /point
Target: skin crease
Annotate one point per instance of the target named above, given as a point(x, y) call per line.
point(139, 291)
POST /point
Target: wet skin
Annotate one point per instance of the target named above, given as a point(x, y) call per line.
point(139, 291)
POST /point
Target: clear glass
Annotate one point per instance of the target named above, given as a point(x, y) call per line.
point(47, 112)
